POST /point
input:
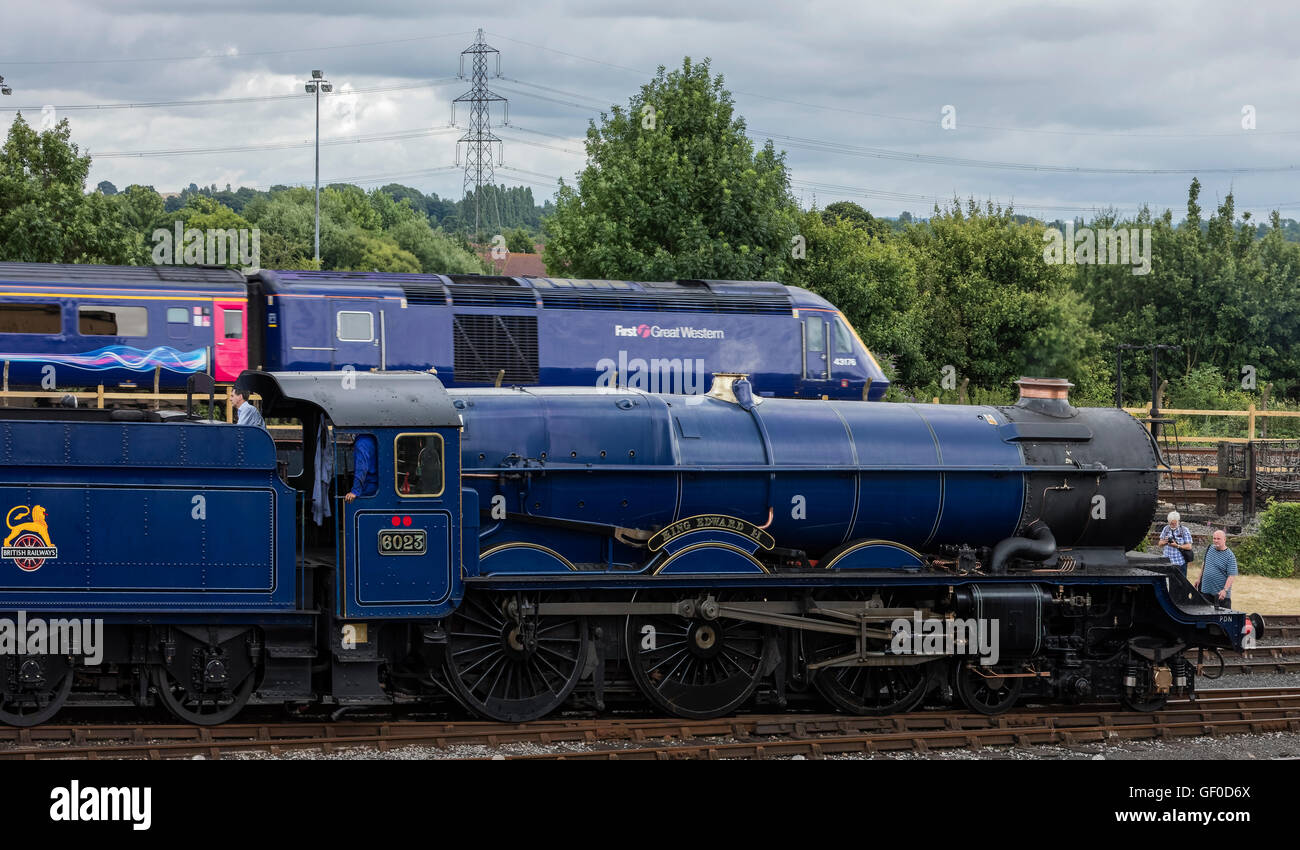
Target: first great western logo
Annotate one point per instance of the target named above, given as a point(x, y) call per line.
point(28, 544)
point(645, 331)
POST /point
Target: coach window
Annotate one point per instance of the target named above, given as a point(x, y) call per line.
point(178, 322)
point(31, 319)
point(418, 465)
point(233, 323)
point(356, 326)
point(106, 320)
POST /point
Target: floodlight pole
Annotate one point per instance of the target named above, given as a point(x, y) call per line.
point(315, 86)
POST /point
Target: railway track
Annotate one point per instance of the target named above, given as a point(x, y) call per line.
point(1251, 712)
point(1284, 626)
point(1280, 658)
point(749, 736)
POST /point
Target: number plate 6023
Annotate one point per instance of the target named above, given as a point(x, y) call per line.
point(393, 541)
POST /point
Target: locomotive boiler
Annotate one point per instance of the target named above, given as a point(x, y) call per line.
point(524, 550)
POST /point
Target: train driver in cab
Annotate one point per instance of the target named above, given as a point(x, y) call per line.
point(366, 467)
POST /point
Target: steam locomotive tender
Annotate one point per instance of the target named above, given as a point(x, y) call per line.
point(528, 548)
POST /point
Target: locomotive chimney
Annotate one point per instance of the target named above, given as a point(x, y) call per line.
point(1050, 396)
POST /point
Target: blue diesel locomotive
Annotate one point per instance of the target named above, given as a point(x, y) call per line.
point(520, 549)
point(80, 325)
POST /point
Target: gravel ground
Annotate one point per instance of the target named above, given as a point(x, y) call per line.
point(466, 751)
point(1269, 745)
point(1248, 680)
point(1244, 746)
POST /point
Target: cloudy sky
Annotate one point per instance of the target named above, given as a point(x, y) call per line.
point(1059, 109)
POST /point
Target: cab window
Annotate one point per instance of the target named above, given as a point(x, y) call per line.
point(843, 340)
point(816, 335)
point(418, 464)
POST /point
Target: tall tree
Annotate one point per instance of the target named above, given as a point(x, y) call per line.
point(993, 308)
point(674, 188)
point(45, 214)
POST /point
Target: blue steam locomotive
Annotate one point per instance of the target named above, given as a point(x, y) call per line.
point(520, 549)
point(79, 325)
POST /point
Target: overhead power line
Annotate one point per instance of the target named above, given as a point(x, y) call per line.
point(960, 162)
point(948, 197)
point(222, 101)
point(519, 141)
point(400, 135)
point(826, 146)
point(932, 120)
point(230, 54)
point(364, 178)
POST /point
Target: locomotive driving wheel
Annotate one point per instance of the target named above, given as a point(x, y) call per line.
point(510, 665)
point(873, 690)
point(864, 690)
point(695, 667)
point(206, 680)
point(33, 688)
point(983, 690)
point(202, 706)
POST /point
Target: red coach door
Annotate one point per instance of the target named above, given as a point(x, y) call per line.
point(229, 339)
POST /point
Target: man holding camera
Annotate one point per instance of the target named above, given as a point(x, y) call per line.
point(1177, 540)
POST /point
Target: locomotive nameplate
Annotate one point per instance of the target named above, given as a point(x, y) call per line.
point(402, 541)
point(710, 522)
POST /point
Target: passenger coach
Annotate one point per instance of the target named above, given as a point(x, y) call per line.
point(121, 325)
point(134, 326)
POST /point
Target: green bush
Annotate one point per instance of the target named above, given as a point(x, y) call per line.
point(1275, 551)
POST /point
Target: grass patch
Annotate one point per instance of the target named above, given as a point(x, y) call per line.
point(1260, 594)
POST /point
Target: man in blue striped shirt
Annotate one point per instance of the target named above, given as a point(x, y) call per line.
point(248, 415)
point(1177, 539)
point(1219, 573)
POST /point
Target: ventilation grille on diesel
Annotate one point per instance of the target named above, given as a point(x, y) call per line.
point(488, 345)
point(478, 295)
point(425, 293)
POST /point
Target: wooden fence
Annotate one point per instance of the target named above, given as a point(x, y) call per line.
point(1251, 413)
point(98, 396)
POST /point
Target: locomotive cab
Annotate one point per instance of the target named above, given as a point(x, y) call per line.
point(392, 442)
point(836, 363)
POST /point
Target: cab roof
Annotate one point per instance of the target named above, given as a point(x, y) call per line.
point(356, 399)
